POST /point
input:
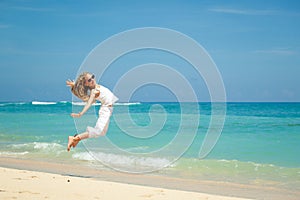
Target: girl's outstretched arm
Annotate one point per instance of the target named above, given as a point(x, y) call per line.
point(70, 83)
point(87, 105)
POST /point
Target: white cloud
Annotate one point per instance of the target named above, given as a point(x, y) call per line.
point(4, 26)
point(243, 11)
point(284, 52)
point(288, 94)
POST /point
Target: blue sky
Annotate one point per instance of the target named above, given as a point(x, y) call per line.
point(255, 44)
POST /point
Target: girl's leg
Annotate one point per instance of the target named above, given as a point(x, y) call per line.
point(103, 133)
point(99, 130)
point(73, 140)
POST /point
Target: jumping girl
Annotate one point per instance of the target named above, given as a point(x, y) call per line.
point(87, 90)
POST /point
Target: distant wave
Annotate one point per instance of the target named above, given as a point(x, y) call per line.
point(98, 104)
point(42, 103)
point(78, 103)
point(128, 104)
point(12, 103)
point(83, 104)
point(61, 103)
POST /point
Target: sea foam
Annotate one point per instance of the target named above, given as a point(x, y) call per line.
point(114, 160)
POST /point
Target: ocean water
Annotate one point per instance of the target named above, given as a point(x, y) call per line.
point(259, 143)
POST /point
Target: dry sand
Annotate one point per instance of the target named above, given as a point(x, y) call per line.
point(24, 184)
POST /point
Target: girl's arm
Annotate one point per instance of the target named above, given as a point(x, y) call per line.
point(87, 105)
point(70, 83)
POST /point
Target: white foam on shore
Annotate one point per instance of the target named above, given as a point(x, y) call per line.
point(40, 146)
point(83, 156)
point(8, 153)
point(46, 146)
point(138, 149)
point(122, 160)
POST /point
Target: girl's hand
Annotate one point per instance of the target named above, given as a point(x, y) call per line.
point(70, 83)
point(75, 114)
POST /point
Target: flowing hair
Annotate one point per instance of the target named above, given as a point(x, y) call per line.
point(79, 89)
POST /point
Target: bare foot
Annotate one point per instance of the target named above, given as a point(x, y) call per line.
point(76, 140)
point(73, 141)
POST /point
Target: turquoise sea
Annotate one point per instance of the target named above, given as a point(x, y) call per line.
point(259, 144)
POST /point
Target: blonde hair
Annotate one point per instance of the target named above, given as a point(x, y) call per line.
point(79, 89)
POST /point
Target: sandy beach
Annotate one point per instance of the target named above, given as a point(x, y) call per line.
point(29, 179)
point(24, 184)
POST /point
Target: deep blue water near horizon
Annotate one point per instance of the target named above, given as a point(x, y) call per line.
point(259, 144)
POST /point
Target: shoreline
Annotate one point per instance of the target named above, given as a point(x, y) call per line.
point(213, 189)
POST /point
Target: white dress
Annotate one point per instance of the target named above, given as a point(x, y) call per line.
point(107, 99)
